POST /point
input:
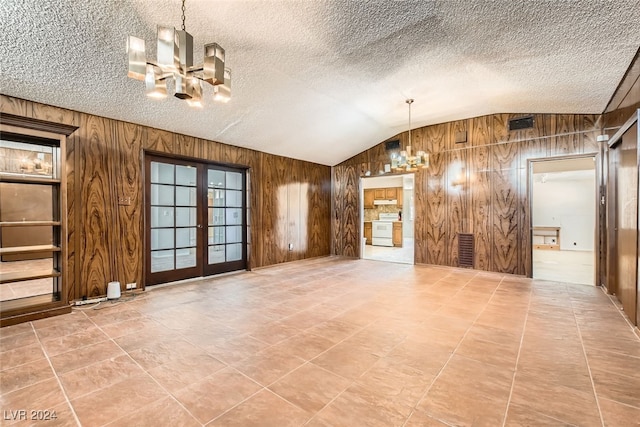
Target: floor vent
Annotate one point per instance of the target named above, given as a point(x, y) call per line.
point(521, 123)
point(465, 250)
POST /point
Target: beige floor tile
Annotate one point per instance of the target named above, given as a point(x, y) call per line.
point(20, 356)
point(164, 412)
point(75, 341)
point(268, 365)
point(306, 345)
point(310, 387)
point(101, 374)
point(468, 392)
point(617, 387)
point(419, 419)
point(24, 375)
point(346, 360)
point(158, 353)
point(85, 356)
point(181, 373)
point(619, 414)
point(264, 409)
point(519, 416)
point(217, 393)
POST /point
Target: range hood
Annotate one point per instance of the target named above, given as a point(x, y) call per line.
point(385, 202)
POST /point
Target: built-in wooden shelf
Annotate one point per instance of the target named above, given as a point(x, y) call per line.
point(21, 276)
point(27, 179)
point(28, 223)
point(550, 237)
point(29, 249)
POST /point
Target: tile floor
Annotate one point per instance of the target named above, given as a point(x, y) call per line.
point(332, 342)
point(403, 255)
point(566, 266)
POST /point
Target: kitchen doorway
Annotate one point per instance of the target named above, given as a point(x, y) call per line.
point(387, 226)
point(564, 219)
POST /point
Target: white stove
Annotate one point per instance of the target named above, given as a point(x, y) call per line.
point(382, 229)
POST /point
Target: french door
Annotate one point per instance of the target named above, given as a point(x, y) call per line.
point(195, 219)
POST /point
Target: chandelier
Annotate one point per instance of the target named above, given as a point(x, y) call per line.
point(406, 160)
point(175, 65)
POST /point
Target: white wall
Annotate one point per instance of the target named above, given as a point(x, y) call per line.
point(567, 200)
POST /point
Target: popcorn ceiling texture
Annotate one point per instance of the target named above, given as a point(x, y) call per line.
point(324, 80)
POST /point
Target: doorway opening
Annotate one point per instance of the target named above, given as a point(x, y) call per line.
point(563, 194)
point(195, 219)
point(387, 226)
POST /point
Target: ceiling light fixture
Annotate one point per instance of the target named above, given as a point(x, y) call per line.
point(175, 62)
point(405, 160)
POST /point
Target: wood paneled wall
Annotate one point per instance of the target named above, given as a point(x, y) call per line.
point(104, 162)
point(492, 202)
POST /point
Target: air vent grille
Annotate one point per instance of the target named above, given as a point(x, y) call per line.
point(521, 123)
point(465, 250)
point(392, 145)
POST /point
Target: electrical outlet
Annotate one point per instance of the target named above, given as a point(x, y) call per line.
point(131, 286)
point(290, 246)
point(124, 201)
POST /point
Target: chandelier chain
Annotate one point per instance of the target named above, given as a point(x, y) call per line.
point(183, 9)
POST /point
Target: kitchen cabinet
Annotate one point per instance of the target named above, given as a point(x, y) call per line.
point(385, 193)
point(397, 234)
point(369, 197)
point(368, 231)
point(399, 197)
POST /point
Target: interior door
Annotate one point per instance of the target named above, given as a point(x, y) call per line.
point(195, 219)
point(226, 225)
point(174, 220)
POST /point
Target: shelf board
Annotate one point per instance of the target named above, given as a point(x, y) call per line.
point(27, 179)
point(29, 249)
point(28, 223)
point(21, 276)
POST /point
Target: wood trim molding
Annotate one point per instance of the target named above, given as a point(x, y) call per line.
point(617, 137)
point(37, 124)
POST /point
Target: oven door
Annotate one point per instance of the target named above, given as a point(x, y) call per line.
point(382, 233)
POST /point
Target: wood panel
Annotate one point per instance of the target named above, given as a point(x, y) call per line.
point(480, 212)
point(158, 140)
point(338, 209)
point(53, 114)
point(590, 137)
point(567, 140)
point(97, 205)
point(320, 212)
point(127, 177)
point(17, 106)
point(185, 145)
point(438, 137)
point(454, 128)
point(457, 191)
point(435, 218)
point(505, 204)
point(480, 131)
point(351, 229)
point(421, 191)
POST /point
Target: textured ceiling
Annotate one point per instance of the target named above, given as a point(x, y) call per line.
point(325, 80)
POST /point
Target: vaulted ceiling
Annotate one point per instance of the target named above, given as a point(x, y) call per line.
point(325, 80)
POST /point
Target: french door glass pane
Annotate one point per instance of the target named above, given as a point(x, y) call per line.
point(217, 196)
point(186, 175)
point(185, 237)
point(216, 254)
point(216, 235)
point(234, 252)
point(234, 234)
point(162, 261)
point(216, 216)
point(234, 180)
point(233, 216)
point(162, 173)
point(216, 178)
point(161, 194)
point(234, 198)
point(186, 217)
point(185, 257)
point(162, 238)
point(185, 196)
point(161, 216)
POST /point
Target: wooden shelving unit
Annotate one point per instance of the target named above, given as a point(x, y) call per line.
point(26, 136)
point(550, 237)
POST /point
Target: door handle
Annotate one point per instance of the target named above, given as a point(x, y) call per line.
point(199, 225)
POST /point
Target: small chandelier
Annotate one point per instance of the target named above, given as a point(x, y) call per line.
point(175, 62)
point(405, 160)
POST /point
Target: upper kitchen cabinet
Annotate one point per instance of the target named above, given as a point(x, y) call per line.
point(369, 197)
point(383, 196)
